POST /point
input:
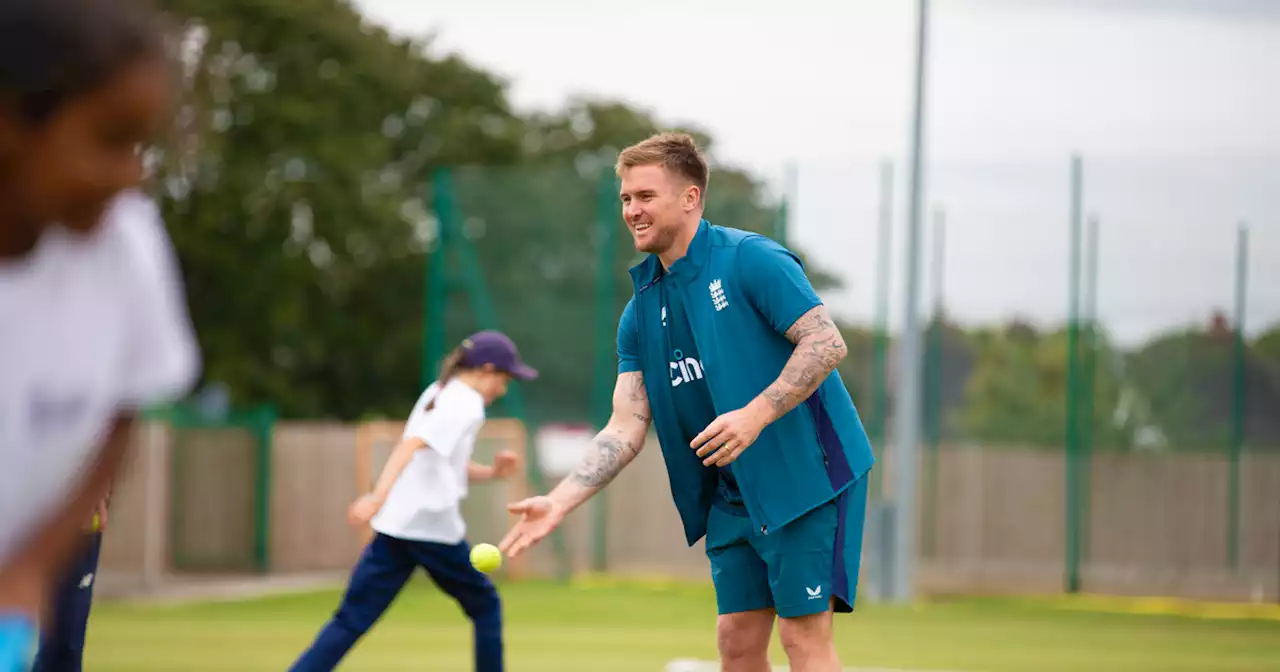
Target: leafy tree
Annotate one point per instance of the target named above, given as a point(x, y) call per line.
point(1017, 391)
point(1188, 377)
point(296, 190)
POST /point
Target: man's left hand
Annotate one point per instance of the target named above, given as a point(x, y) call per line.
point(727, 436)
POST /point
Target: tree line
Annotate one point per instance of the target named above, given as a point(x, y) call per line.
point(297, 187)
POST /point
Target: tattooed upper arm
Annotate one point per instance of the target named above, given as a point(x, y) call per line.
point(630, 399)
point(816, 322)
point(819, 348)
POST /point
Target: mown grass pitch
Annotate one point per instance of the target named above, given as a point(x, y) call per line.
point(630, 627)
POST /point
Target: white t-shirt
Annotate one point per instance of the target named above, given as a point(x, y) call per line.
point(425, 502)
point(89, 326)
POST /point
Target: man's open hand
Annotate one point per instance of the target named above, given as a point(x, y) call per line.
point(538, 517)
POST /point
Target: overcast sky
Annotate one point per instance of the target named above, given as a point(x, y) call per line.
point(1172, 103)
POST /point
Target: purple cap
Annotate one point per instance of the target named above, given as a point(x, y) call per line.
point(493, 347)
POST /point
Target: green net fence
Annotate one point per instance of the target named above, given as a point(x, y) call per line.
point(1093, 418)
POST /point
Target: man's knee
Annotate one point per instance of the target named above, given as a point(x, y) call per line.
point(744, 636)
point(807, 637)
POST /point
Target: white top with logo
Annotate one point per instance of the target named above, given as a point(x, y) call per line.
point(425, 502)
point(90, 326)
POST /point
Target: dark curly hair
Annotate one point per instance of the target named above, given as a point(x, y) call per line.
point(52, 51)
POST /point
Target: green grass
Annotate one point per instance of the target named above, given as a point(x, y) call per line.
point(628, 627)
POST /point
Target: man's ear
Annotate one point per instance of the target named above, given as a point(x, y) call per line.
point(692, 198)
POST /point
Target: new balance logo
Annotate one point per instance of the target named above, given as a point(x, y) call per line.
point(86, 580)
point(717, 295)
point(814, 593)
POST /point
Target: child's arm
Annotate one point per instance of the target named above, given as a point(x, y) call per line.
point(400, 457)
point(363, 509)
point(505, 463)
point(24, 578)
point(479, 473)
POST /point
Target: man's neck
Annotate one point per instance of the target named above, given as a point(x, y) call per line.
point(680, 246)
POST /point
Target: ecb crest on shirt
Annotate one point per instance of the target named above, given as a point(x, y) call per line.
point(717, 295)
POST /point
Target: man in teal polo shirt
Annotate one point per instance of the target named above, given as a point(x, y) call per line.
point(729, 353)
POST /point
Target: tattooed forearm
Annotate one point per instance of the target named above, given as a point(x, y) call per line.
point(614, 447)
point(608, 455)
point(819, 348)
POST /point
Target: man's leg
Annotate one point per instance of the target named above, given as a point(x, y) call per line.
point(809, 642)
point(743, 599)
point(376, 580)
point(449, 566)
point(62, 640)
point(801, 562)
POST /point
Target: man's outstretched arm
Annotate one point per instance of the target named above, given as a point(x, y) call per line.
point(612, 450)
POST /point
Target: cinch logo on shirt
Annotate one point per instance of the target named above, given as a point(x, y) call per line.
point(684, 369)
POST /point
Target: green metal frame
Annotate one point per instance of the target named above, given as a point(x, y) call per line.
point(1088, 390)
point(605, 337)
point(258, 421)
point(933, 389)
point(1073, 465)
point(1235, 444)
point(444, 202)
point(878, 420)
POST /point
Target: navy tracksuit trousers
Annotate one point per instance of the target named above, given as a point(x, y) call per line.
point(62, 640)
point(384, 567)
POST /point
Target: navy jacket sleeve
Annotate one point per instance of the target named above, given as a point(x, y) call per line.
point(628, 347)
point(773, 280)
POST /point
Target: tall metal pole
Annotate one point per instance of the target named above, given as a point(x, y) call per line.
point(933, 346)
point(1072, 456)
point(1238, 400)
point(1088, 389)
point(907, 416)
point(606, 328)
point(880, 345)
point(936, 335)
point(790, 182)
point(436, 294)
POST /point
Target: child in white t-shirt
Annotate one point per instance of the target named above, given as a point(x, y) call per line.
point(93, 321)
point(415, 512)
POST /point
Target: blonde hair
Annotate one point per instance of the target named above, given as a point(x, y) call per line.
point(677, 152)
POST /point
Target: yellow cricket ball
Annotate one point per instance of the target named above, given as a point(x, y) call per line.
point(486, 557)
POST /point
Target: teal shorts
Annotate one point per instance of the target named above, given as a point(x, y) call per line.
point(17, 643)
point(805, 567)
